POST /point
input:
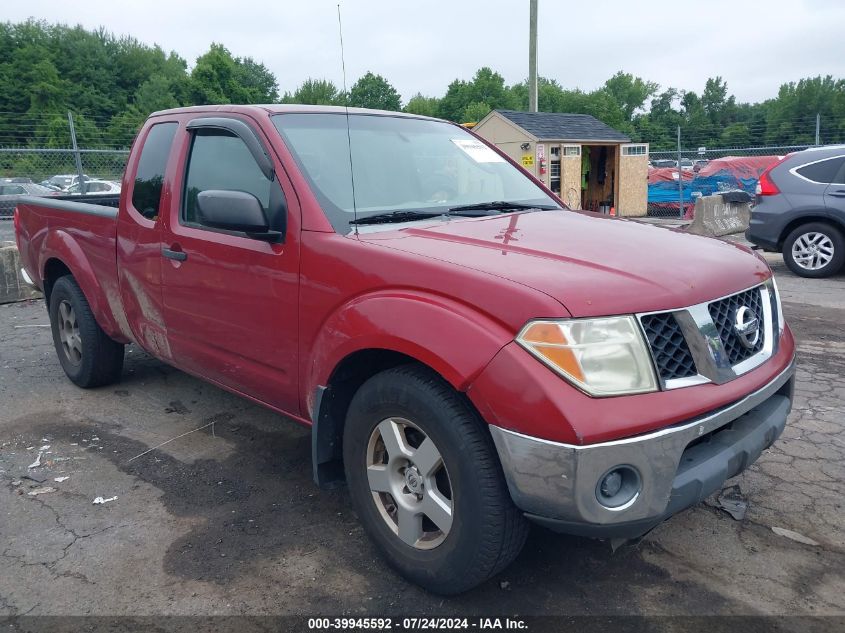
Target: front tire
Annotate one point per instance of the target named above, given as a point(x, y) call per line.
point(88, 356)
point(426, 482)
point(814, 250)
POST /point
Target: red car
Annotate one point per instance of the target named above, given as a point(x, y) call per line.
point(468, 353)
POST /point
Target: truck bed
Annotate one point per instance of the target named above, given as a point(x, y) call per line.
point(81, 236)
point(8, 203)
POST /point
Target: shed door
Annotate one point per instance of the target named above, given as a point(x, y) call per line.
point(633, 180)
point(570, 175)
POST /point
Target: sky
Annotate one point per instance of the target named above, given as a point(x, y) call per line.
point(421, 46)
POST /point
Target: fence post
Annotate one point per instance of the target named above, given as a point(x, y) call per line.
point(818, 128)
point(680, 179)
point(76, 155)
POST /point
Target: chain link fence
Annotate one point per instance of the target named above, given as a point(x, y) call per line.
point(703, 172)
point(22, 170)
point(48, 153)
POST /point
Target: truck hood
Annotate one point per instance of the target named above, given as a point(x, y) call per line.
point(593, 265)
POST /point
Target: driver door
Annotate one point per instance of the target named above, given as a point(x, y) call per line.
point(231, 300)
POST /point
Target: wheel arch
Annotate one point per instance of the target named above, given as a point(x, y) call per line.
point(817, 216)
point(331, 403)
point(54, 268)
point(62, 255)
point(379, 330)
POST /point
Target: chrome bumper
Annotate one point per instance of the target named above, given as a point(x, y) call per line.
point(556, 484)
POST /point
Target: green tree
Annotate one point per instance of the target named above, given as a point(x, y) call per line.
point(791, 117)
point(315, 92)
point(715, 100)
point(475, 111)
point(259, 82)
point(112, 83)
point(425, 106)
point(374, 91)
point(736, 135)
point(629, 92)
point(218, 77)
point(659, 126)
point(486, 86)
point(551, 97)
point(156, 93)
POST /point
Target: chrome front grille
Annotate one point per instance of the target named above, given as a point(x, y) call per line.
point(708, 343)
point(723, 313)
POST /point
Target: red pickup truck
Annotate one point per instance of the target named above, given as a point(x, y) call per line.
point(468, 353)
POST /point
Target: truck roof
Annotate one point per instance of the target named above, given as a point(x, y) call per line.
point(276, 108)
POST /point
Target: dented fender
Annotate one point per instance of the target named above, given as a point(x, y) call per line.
point(102, 294)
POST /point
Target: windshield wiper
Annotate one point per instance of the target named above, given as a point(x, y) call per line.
point(409, 216)
point(396, 216)
point(500, 205)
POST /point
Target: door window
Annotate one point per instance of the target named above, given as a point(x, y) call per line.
point(149, 179)
point(220, 160)
point(823, 171)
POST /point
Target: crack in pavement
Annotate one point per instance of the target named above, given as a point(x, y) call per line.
point(50, 565)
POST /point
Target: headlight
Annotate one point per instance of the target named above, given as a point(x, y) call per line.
point(603, 357)
point(781, 322)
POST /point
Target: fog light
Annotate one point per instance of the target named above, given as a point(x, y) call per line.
point(619, 487)
point(611, 484)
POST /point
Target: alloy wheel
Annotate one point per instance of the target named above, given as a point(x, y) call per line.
point(812, 251)
point(409, 483)
point(69, 333)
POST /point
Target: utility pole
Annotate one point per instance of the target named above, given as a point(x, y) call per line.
point(680, 179)
point(532, 57)
point(818, 128)
point(83, 186)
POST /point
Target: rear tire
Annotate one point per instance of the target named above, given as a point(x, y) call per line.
point(814, 250)
point(89, 357)
point(445, 455)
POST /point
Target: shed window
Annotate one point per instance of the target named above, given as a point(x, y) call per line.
point(634, 150)
point(572, 150)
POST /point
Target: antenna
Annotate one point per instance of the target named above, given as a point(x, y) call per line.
point(348, 134)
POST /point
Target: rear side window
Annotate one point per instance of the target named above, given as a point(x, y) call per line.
point(146, 195)
point(220, 160)
point(824, 171)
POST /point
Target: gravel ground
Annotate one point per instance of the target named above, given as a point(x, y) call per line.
point(226, 520)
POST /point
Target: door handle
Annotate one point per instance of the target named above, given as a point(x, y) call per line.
point(179, 256)
point(839, 193)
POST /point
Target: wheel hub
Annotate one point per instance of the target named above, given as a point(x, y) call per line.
point(414, 480)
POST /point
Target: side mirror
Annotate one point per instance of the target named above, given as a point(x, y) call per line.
point(235, 211)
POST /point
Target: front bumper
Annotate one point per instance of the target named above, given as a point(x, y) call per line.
point(555, 484)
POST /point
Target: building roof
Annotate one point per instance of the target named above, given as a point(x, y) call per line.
point(563, 127)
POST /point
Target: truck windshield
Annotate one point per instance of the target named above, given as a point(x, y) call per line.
point(399, 164)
